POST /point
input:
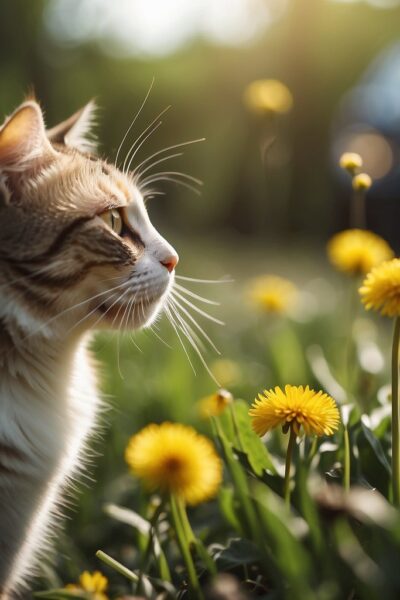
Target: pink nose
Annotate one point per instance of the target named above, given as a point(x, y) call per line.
point(170, 262)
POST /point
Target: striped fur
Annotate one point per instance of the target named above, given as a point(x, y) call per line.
point(63, 272)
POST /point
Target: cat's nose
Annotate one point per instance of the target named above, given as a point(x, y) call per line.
point(170, 262)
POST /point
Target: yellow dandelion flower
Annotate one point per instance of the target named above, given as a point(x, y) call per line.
point(295, 407)
point(94, 584)
point(350, 161)
point(174, 458)
point(268, 96)
point(380, 290)
point(357, 251)
point(362, 182)
point(215, 404)
point(273, 294)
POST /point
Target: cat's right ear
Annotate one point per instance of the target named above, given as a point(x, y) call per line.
point(76, 132)
point(23, 141)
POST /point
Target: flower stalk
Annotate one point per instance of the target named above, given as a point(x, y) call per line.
point(346, 462)
point(288, 464)
point(184, 546)
point(395, 415)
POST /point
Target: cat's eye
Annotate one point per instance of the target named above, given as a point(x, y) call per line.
point(113, 219)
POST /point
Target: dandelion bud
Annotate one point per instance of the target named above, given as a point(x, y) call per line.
point(362, 182)
point(350, 161)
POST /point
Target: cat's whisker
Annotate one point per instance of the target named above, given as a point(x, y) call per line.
point(195, 337)
point(184, 290)
point(201, 312)
point(144, 132)
point(155, 177)
point(131, 311)
point(167, 149)
point(134, 120)
point(152, 130)
point(194, 280)
point(158, 336)
point(137, 177)
point(184, 329)
point(168, 311)
point(173, 180)
point(195, 323)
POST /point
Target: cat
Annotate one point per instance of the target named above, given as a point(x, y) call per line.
point(77, 252)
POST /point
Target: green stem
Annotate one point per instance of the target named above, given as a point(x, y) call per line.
point(395, 415)
point(358, 217)
point(114, 564)
point(236, 426)
point(346, 466)
point(183, 543)
point(289, 453)
point(194, 542)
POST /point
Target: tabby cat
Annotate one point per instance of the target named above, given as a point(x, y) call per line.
point(77, 252)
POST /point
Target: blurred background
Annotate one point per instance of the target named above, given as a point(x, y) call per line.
point(272, 195)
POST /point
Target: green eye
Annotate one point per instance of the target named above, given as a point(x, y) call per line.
point(112, 218)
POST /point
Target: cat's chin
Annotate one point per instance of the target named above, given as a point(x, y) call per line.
point(124, 316)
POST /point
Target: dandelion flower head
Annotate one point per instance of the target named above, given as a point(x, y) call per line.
point(380, 290)
point(268, 96)
point(273, 294)
point(361, 182)
point(357, 251)
point(295, 406)
point(350, 161)
point(94, 584)
point(215, 404)
point(174, 458)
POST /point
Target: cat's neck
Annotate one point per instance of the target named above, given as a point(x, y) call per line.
point(24, 353)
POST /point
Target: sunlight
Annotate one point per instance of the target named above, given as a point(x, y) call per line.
point(156, 26)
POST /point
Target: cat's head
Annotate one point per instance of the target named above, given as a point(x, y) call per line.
point(77, 248)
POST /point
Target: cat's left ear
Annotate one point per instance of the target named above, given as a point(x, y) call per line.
point(75, 132)
point(23, 141)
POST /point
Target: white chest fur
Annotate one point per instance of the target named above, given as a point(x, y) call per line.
point(48, 406)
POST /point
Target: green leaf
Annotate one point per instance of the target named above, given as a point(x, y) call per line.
point(237, 553)
point(226, 499)
point(376, 447)
point(250, 443)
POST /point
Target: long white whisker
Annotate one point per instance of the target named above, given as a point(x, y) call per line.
point(193, 320)
point(153, 130)
point(177, 173)
point(141, 136)
point(193, 295)
point(173, 180)
point(157, 162)
point(168, 311)
point(190, 330)
point(134, 119)
point(194, 280)
point(195, 348)
point(180, 145)
point(174, 292)
point(158, 336)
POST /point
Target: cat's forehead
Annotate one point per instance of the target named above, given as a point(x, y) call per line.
point(84, 182)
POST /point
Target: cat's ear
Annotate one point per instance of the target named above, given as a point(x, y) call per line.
point(23, 141)
point(76, 132)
